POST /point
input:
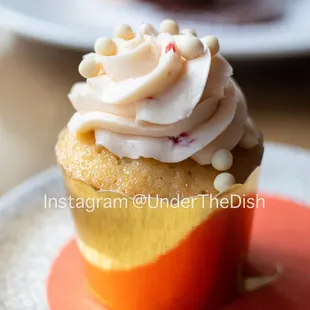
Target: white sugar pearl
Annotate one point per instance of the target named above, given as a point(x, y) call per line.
point(189, 46)
point(222, 160)
point(124, 32)
point(189, 32)
point(212, 43)
point(223, 181)
point(89, 68)
point(147, 29)
point(169, 26)
point(105, 47)
point(89, 56)
point(249, 139)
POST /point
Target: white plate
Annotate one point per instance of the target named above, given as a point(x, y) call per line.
point(77, 23)
point(31, 235)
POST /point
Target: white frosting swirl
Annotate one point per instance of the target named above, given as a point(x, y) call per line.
point(149, 101)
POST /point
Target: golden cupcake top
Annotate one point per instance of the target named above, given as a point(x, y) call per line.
point(164, 94)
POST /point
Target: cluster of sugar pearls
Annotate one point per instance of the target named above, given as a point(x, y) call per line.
point(222, 160)
point(104, 46)
point(189, 46)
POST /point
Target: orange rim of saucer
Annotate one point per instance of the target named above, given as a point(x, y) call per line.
point(278, 237)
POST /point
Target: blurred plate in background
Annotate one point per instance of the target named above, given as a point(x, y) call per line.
point(77, 23)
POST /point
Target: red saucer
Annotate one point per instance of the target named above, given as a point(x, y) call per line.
point(281, 234)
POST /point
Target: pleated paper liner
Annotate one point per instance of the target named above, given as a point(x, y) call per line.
point(279, 237)
point(178, 254)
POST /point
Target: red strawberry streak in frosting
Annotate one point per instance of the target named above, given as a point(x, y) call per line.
point(170, 46)
point(184, 134)
point(180, 139)
point(174, 139)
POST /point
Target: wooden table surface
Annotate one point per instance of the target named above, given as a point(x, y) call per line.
point(35, 80)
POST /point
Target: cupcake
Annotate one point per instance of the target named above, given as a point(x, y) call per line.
point(160, 136)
